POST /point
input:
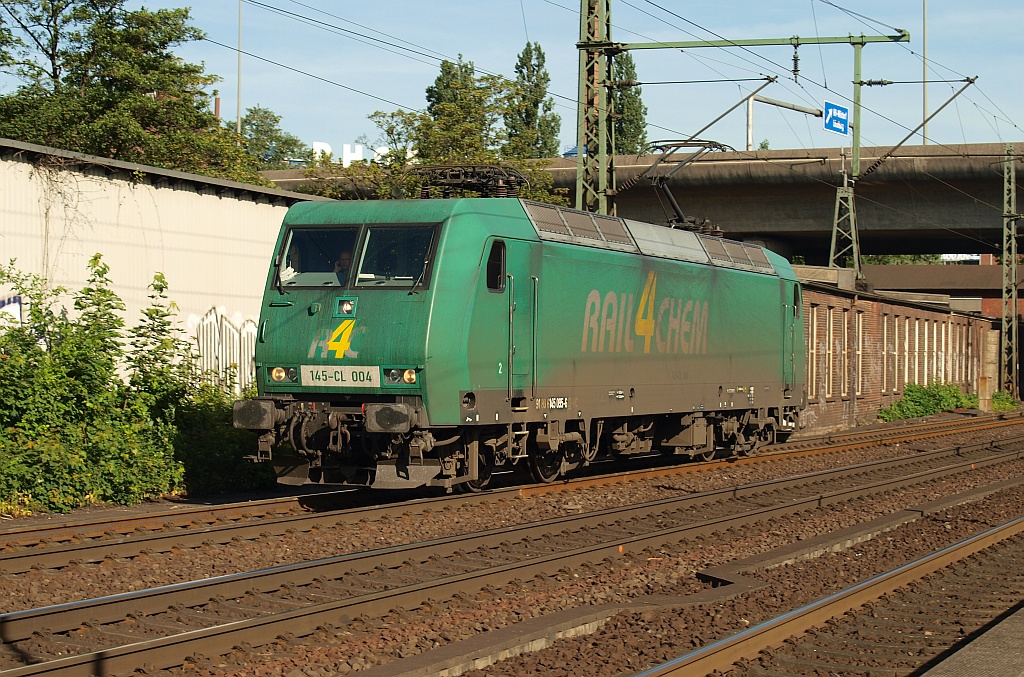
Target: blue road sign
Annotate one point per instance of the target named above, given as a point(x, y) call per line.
point(837, 118)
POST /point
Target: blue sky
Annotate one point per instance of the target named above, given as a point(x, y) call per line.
point(344, 42)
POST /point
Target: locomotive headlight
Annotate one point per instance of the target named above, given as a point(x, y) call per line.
point(399, 376)
point(346, 307)
point(282, 375)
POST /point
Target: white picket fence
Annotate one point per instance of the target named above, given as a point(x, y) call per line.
point(227, 352)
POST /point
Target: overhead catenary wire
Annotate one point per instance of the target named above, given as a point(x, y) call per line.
point(415, 49)
point(311, 75)
point(394, 43)
point(387, 46)
point(955, 232)
point(391, 46)
point(782, 69)
point(932, 63)
point(434, 57)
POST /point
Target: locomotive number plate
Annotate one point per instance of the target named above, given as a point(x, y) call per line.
point(347, 376)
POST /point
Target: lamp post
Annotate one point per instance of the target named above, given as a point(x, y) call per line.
point(924, 61)
point(238, 117)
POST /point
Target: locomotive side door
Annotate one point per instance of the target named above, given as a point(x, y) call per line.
point(522, 290)
point(790, 316)
point(502, 331)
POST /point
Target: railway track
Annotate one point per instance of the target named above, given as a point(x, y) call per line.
point(61, 544)
point(160, 626)
point(905, 619)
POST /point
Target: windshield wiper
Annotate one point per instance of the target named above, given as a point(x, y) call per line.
point(278, 283)
point(423, 271)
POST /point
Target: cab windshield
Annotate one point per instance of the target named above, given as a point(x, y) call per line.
point(318, 256)
point(395, 256)
point(391, 256)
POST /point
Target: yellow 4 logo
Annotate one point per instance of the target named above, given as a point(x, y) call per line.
point(341, 338)
point(645, 313)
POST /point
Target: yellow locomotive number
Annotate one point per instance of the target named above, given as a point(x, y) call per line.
point(645, 313)
point(341, 339)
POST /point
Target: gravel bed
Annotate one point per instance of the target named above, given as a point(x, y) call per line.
point(84, 581)
point(364, 643)
point(632, 641)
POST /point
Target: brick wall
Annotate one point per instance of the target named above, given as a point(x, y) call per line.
point(863, 349)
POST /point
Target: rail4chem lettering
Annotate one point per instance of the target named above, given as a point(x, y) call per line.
point(671, 326)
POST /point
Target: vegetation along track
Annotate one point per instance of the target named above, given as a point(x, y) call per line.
point(58, 544)
point(160, 626)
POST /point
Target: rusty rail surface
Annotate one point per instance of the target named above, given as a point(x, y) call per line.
point(747, 644)
point(55, 546)
point(374, 582)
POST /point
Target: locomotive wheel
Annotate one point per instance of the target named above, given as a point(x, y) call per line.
point(484, 471)
point(760, 438)
point(545, 466)
point(706, 455)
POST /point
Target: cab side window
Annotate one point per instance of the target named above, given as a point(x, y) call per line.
point(496, 267)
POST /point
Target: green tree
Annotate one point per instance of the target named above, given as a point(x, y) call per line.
point(460, 126)
point(267, 142)
point(99, 79)
point(530, 121)
point(630, 127)
point(91, 345)
point(72, 432)
point(160, 360)
point(900, 259)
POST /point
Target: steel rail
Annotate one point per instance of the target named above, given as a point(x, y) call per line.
point(25, 559)
point(748, 643)
point(855, 441)
point(169, 651)
point(97, 527)
point(187, 515)
point(78, 529)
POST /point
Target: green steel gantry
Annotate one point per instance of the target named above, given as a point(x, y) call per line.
point(1008, 354)
point(595, 148)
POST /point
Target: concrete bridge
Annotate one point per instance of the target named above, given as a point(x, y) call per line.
point(937, 199)
point(923, 199)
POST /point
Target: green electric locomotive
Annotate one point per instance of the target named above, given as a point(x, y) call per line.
point(431, 342)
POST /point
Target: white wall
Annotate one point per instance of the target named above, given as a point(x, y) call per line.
point(211, 239)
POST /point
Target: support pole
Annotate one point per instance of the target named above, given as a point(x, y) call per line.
point(750, 122)
point(1008, 357)
point(924, 68)
point(595, 178)
point(857, 54)
point(845, 240)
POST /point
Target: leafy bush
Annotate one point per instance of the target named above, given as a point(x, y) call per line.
point(927, 400)
point(213, 450)
point(74, 432)
point(1003, 401)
